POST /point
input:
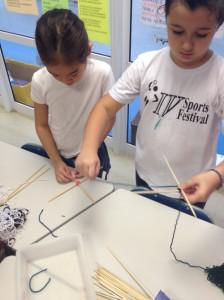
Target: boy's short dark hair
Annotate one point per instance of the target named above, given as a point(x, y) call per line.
point(216, 6)
point(61, 37)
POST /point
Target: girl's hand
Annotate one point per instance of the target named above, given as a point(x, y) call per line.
point(88, 164)
point(63, 173)
point(199, 187)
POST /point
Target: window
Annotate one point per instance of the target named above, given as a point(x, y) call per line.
point(148, 33)
point(19, 52)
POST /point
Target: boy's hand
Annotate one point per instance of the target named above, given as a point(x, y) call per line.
point(63, 173)
point(88, 164)
point(199, 187)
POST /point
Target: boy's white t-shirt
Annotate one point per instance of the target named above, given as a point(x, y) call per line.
point(69, 106)
point(181, 110)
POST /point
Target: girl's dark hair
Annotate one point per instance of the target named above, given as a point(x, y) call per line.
point(61, 37)
point(216, 6)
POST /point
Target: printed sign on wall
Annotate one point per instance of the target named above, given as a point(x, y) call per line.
point(153, 13)
point(50, 4)
point(95, 14)
point(22, 6)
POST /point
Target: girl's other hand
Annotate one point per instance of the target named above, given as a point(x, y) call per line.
point(63, 173)
point(199, 187)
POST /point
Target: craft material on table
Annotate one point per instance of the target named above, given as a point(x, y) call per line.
point(110, 286)
point(140, 285)
point(215, 274)
point(162, 191)
point(162, 296)
point(11, 220)
point(77, 183)
point(37, 174)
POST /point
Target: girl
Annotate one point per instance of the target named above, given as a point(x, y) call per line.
point(66, 89)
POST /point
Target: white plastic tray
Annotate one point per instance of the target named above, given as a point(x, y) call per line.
point(66, 266)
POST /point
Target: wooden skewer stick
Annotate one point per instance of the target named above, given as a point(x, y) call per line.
point(106, 289)
point(62, 193)
point(178, 184)
point(132, 276)
point(35, 173)
point(86, 193)
point(161, 191)
point(111, 283)
point(105, 296)
point(24, 185)
point(117, 286)
point(67, 190)
point(21, 185)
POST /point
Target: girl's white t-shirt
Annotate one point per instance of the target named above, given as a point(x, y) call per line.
point(180, 109)
point(69, 105)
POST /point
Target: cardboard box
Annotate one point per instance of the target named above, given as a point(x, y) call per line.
point(20, 77)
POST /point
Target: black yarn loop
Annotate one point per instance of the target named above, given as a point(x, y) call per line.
point(42, 288)
point(215, 274)
point(171, 247)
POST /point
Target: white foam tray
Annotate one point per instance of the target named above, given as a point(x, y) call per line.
point(52, 255)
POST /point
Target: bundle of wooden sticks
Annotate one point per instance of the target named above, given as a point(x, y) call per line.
point(111, 287)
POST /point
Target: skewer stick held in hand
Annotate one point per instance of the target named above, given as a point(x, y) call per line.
point(178, 184)
point(158, 191)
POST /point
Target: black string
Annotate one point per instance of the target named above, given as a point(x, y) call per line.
point(41, 289)
point(215, 274)
point(171, 247)
point(55, 236)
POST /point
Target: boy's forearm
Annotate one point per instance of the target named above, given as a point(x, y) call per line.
point(107, 129)
point(48, 143)
point(100, 122)
point(95, 130)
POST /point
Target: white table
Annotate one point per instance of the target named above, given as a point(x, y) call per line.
point(16, 166)
point(139, 232)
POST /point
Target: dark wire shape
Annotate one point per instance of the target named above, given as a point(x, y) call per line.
point(42, 288)
point(172, 251)
point(41, 222)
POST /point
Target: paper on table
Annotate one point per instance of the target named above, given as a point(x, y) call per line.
point(162, 296)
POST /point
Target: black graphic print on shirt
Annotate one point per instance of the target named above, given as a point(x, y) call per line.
point(188, 110)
